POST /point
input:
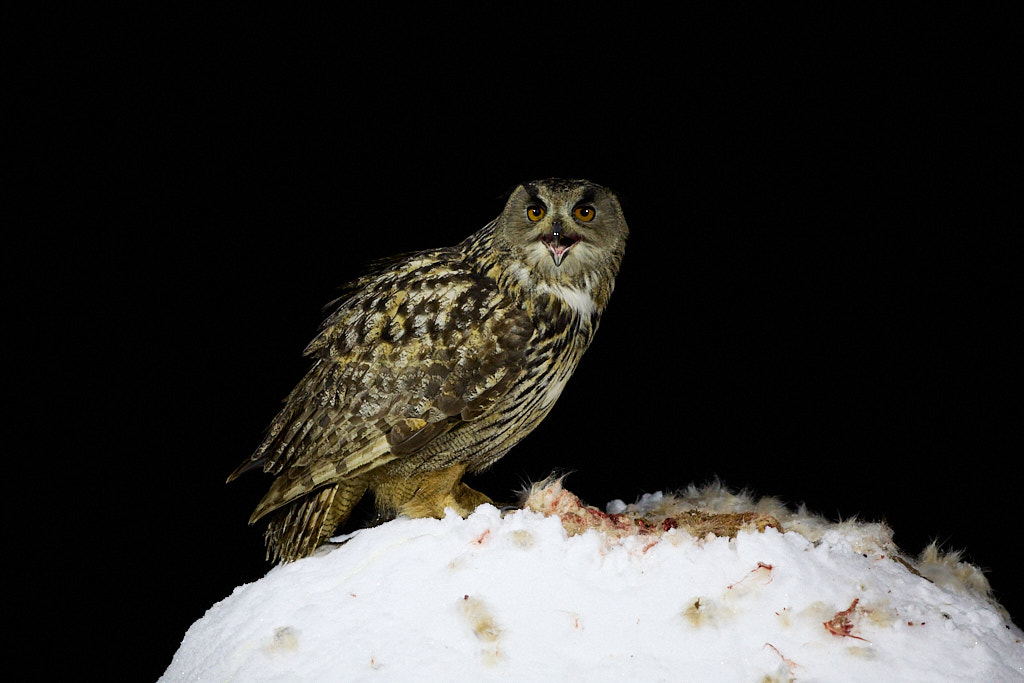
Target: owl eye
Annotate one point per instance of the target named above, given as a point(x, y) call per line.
point(535, 213)
point(584, 213)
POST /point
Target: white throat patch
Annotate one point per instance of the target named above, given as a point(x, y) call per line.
point(577, 299)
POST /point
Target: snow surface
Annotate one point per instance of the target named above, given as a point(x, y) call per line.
point(516, 598)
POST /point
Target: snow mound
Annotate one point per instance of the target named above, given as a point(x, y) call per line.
point(564, 591)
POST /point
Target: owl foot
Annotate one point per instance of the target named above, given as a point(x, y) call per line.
point(428, 494)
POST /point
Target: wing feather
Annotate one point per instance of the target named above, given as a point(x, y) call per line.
point(415, 352)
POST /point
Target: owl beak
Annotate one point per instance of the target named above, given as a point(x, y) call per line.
point(558, 243)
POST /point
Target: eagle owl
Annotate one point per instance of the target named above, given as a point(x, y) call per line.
point(436, 363)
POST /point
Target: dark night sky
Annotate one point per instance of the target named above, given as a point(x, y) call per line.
point(813, 303)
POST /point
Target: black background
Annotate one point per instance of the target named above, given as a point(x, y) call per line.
point(814, 303)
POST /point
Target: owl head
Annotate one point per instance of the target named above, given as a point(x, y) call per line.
point(562, 228)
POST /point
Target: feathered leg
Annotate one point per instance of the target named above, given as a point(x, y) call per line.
point(427, 494)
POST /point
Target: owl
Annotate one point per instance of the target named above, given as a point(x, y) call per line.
point(434, 364)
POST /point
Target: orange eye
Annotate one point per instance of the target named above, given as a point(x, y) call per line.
point(535, 213)
point(584, 213)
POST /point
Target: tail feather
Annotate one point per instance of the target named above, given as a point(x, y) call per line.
point(298, 529)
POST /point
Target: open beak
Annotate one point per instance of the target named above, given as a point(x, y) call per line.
point(558, 242)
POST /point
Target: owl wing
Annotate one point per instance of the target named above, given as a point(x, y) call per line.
point(418, 350)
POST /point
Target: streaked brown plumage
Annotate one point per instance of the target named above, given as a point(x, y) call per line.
point(436, 363)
